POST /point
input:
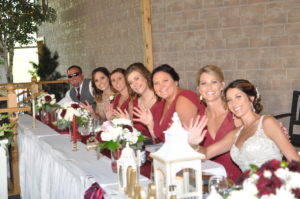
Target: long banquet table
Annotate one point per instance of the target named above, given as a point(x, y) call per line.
point(49, 169)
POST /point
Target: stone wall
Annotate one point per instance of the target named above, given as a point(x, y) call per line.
point(258, 40)
point(93, 33)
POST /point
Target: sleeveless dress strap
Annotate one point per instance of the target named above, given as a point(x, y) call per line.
point(260, 122)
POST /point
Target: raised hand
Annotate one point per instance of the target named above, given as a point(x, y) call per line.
point(108, 111)
point(87, 106)
point(196, 130)
point(121, 114)
point(143, 116)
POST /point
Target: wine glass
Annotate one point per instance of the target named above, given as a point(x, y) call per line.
point(219, 183)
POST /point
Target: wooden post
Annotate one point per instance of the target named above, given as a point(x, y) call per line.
point(147, 34)
point(11, 95)
point(34, 87)
point(12, 103)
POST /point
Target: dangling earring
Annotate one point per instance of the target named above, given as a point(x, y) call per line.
point(252, 107)
point(201, 98)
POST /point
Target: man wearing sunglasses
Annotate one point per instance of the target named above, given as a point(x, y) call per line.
point(81, 90)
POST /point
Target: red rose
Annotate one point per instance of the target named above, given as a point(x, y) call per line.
point(268, 186)
point(296, 192)
point(63, 113)
point(48, 98)
point(271, 165)
point(128, 127)
point(294, 166)
point(75, 106)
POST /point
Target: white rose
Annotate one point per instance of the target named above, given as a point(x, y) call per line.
point(282, 173)
point(267, 174)
point(281, 193)
point(241, 194)
point(293, 180)
point(121, 121)
point(249, 187)
point(106, 136)
point(116, 133)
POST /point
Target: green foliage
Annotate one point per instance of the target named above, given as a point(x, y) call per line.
point(110, 145)
point(6, 128)
point(19, 23)
point(20, 20)
point(46, 70)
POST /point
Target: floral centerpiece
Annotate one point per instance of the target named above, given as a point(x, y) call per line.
point(65, 115)
point(46, 101)
point(273, 180)
point(116, 133)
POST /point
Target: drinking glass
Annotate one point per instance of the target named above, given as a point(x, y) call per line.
point(220, 183)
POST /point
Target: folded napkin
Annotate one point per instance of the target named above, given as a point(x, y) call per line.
point(94, 192)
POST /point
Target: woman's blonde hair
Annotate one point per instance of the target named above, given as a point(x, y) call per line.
point(212, 70)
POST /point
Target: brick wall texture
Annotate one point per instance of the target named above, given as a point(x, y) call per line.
point(93, 33)
point(257, 40)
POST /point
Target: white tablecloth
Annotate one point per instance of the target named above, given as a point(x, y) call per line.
point(49, 169)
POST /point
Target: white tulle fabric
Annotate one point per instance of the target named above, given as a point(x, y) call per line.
point(256, 150)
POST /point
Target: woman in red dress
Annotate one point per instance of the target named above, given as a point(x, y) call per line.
point(139, 80)
point(165, 82)
point(121, 102)
point(220, 119)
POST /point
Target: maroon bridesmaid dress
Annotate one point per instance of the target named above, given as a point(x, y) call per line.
point(233, 171)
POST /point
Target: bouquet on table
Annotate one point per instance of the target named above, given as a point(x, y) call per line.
point(46, 101)
point(65, 115)
point(116, 133)
point(273, 180)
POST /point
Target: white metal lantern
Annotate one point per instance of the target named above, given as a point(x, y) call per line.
point(127, 159)
point(177, 164)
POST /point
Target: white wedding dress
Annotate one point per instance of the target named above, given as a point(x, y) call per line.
point(256, 150)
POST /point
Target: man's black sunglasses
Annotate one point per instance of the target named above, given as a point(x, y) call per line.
point(73, 75)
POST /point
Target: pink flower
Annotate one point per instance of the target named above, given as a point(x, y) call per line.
point(106, 126)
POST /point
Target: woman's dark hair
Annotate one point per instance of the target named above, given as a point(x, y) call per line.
point(97, 92)
point(167, 69)
point(249, 89)
point(118, 70)
point(139, 67)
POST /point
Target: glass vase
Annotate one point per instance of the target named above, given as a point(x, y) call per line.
point(115, 155)
point(45, 116)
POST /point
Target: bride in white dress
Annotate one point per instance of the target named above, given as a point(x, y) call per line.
point(257, 141)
